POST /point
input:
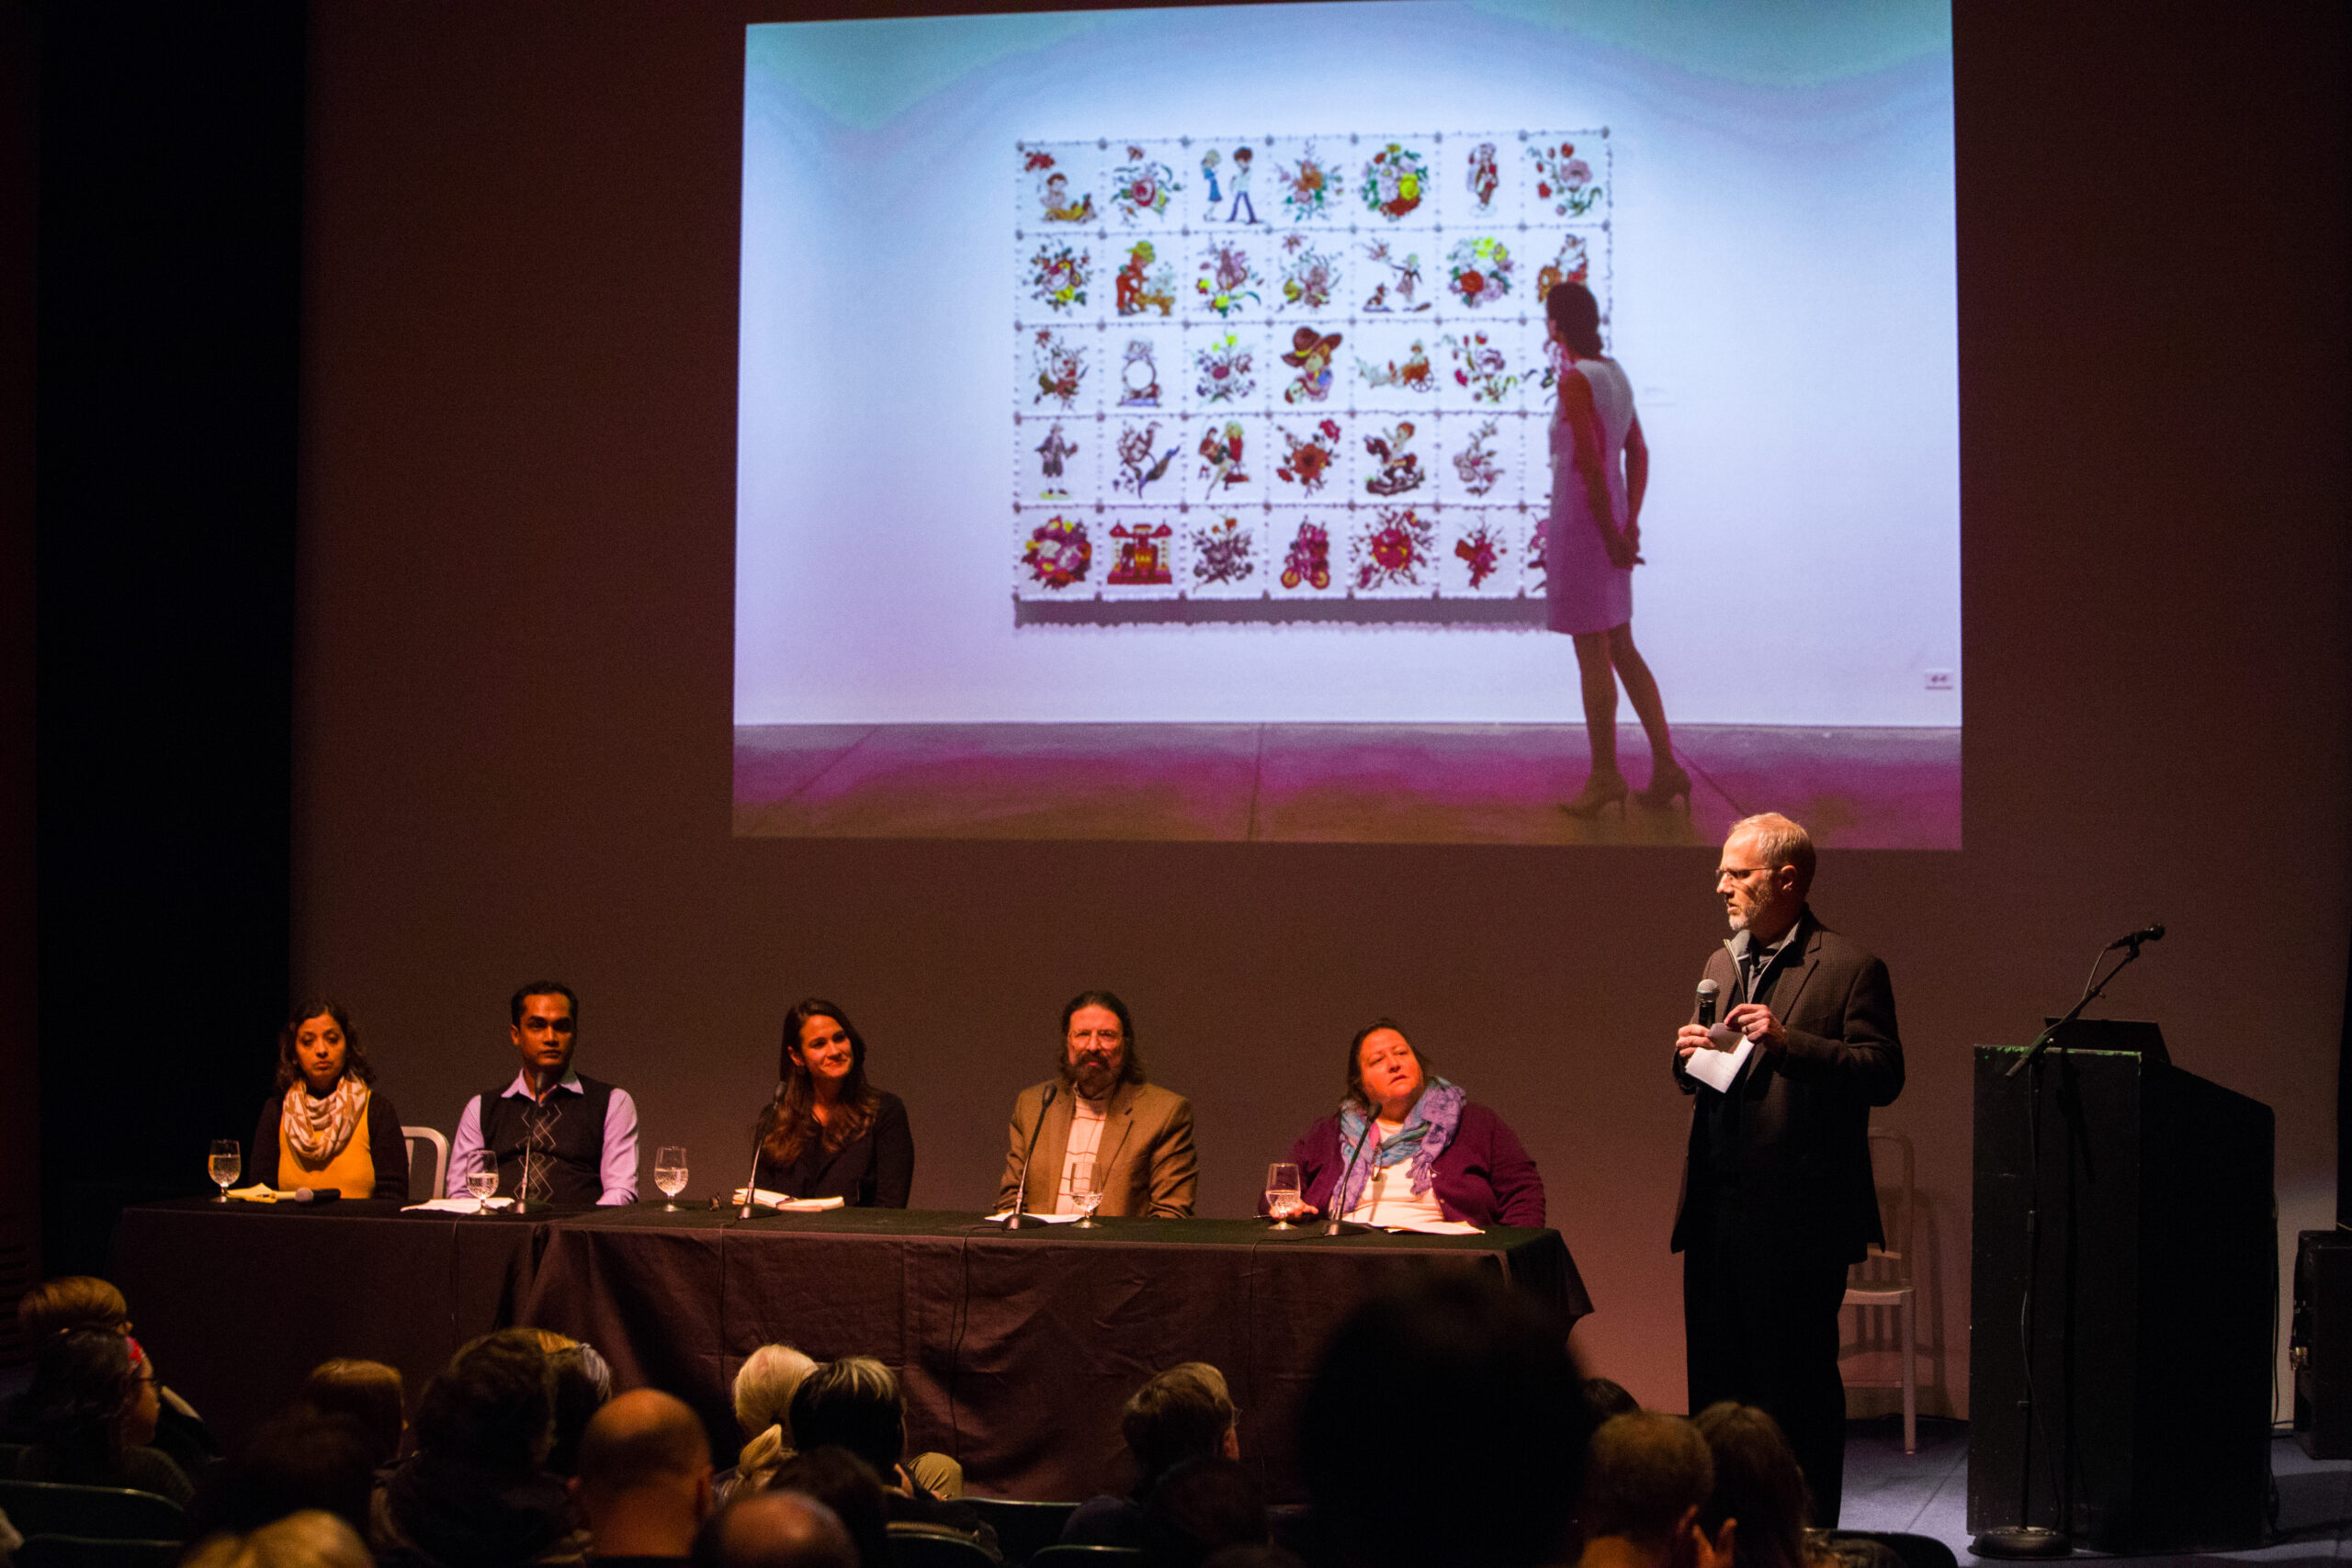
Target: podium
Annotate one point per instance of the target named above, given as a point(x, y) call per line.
point(2154, 1281)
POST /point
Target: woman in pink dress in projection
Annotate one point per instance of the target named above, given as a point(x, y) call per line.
point(1592, 541)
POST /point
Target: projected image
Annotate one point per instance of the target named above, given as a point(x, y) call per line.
point(1335, 396)
point(1481, 422)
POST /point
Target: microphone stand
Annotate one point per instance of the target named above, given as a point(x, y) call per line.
point(759, 1137)
point(2023, 1539)
point(1021, 1193)
point(1333, 1225)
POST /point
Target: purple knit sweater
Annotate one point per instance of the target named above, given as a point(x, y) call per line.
point(1484, 1176)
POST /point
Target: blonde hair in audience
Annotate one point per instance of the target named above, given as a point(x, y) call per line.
point(312, 1538)
point(764, 1388)
point(71, 1301)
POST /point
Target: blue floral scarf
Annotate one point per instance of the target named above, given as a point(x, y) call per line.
point(1436, 1117)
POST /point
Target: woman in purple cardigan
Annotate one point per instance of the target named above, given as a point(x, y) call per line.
point(1408, 1148)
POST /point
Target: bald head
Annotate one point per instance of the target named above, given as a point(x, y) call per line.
point(644, 1437)
point(775, 1529)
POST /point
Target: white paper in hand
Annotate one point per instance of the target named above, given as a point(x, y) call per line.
point(1718, 1064)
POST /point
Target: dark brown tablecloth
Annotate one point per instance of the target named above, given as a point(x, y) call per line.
point(1016, 1350)
point(238, 1302)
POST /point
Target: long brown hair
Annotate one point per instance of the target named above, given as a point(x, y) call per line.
point(354, 1060)
point(796, 1122)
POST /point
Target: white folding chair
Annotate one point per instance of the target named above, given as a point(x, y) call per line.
point(1883, 1280)
point(440, 1147)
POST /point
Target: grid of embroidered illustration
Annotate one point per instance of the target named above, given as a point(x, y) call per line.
point(1309, 367)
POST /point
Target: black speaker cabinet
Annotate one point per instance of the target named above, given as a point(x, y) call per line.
point(2319, 1345)
point(2153, 1275)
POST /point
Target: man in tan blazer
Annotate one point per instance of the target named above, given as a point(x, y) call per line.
point(1138, 1135)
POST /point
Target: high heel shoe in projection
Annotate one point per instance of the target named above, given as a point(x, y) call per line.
point(1600, 790)
point(1667, 781)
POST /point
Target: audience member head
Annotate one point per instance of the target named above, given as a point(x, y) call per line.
point(764, 1386)
point(1648, 1478)
point(491, 1406)
point(1098, 1046)
point(301, 1461)
point(366, 1394)
point(1197, 1507)
point(313, 1538)
point(1478, 1380)
point(581, 1382)
point(1574, 318)
point(1757, 1481)
point(318, 1045)
point(847, 1484)
point(71, 1301)
point(89, 1399)
point(1183, 1413)
point(852, 1402)
point(775, 1529)
point(644, 1481)
point(1606, 1397)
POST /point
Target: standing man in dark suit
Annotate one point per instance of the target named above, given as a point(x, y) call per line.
point(1778, 1196)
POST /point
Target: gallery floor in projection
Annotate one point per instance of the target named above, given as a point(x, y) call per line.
point(1177, 462)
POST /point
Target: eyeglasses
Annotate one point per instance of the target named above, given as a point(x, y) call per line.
point(1107, 1036)
point(544, 1025)
point(1738, 873)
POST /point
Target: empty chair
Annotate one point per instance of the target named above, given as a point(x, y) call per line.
point(1883, 1280)
point(1023, 1528)
point(427, 1181)
point(89, 1551)
point(921, 1546)
point(107, 1513)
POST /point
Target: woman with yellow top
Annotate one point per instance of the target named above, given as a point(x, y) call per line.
point(325, 1126)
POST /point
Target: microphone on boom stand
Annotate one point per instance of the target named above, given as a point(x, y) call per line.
point(759, 1137)
point(1021, 1193)
point(1335, 1225)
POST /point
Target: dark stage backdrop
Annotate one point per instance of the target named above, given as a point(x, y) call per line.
point(514, 644)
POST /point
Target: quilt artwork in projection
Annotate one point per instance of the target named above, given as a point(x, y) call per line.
point(1292, 377)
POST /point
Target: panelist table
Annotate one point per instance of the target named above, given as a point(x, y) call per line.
point(1015, 1350)
point(239, 1300)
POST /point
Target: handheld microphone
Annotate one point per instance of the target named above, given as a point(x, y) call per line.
point(1021, 1193)
point(1708, 990)
point(2133, 939)
point(759, 1139)
point(1331, 1225)
point(317, 1194)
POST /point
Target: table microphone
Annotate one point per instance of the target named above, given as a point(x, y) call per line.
point(759, 1137)
point(2133, 939)
point(317, 1194)
point(1021, 1193)
point(1707, 993)
point(1331, 1225)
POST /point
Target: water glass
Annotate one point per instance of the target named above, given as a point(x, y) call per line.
point(482, 1182)
point(225, 1165)
point(1085, 1191)
point(669, 1174)
point(1282, 1194)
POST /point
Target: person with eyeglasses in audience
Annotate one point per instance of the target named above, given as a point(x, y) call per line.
point(326, 1124)
point(1099, 1112)
point(82, 1301)
point(558, 1136)
point(834, 1134)
point(94, 1405)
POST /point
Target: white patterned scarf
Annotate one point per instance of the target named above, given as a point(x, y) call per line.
point(319, 1128)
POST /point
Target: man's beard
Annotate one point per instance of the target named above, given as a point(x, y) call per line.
point(1092, 1079)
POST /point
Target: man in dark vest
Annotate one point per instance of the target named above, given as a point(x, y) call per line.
point(1777, 1193)
point(555, 1136)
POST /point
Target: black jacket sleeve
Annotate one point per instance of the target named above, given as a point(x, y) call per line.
point(893, 1154)
point(388, 1146)
point(261, 1160)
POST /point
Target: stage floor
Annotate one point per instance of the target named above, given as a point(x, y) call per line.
point(1927, 1494)
point(1386, 784)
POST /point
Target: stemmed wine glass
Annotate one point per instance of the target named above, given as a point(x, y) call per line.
point(225, 1165)
point(1282, 1194)
point(482, 1182)
point(669, 1174)
point(1086, 1191)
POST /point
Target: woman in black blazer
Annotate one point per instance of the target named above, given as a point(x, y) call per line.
point(835, 1135)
